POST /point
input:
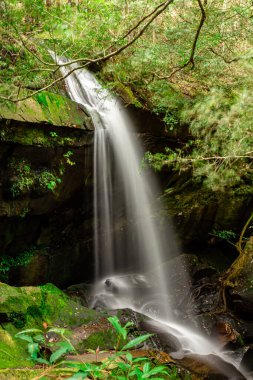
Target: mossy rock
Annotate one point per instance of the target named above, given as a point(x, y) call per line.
point(47, 108)
point(94, 334)
point(12, 353)
point(29, 307)
point(44, 303)
point(105, 340)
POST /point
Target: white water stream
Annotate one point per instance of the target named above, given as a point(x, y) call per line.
point(130, 247)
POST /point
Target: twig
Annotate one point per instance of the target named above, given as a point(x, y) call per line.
point(236, 59)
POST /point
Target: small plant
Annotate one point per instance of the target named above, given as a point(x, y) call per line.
point(48, 180)
point(226, 234)
point(54, 135)
point(27, 179)
point(41, 348)
point(8, 262)
point(122, 365)
point(24, 178)
point(67, 156)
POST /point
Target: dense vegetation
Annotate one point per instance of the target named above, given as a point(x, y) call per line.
point(189, 63)
point(179, 51)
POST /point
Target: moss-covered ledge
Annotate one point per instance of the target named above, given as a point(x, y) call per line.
point(48, 109)
point(30, 307)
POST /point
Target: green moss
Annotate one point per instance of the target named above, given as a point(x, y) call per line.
point(106, 340)
point(44, 303)
point(8, 262)
point(127, 94)
point(12, 353)
point(29, 307)
point(42, 99)
point(21, 374)
point(47, 108)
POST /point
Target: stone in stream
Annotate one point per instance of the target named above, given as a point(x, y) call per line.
point(209, 367)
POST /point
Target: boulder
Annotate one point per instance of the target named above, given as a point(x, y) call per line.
point(31, 307)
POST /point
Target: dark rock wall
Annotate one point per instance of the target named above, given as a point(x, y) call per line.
point(45, 205)
point(46, 211)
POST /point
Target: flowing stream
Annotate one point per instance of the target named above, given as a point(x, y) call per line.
point(131, 247)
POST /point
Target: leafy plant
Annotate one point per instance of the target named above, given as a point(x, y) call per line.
point(226, 234)
point(41, 349)
point(8, 262)
point(26, 179)
point(122, 365)
point(53, 134)
point(67, 156)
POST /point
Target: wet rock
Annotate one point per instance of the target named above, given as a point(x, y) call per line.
point(241, 295)
point(47, 108)
point(196, 211)
point(210, 367)
point(247, 361)
point(223, 332)
point(94, 334)
point(81, 292)
point(187, 276)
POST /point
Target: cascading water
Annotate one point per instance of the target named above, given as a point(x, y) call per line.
point(129, 247)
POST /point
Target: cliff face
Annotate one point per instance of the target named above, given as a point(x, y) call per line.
point(46, 151)
point(46, 194)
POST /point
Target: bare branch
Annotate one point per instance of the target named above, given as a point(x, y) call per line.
point(236, 59)
point(191, 60)
point(212, 158)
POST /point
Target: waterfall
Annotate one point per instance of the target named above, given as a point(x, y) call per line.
point(130, 246)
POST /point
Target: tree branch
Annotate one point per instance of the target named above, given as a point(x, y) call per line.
point(212, 158)
point(191, 60)
point(86, 61)
point(236, 59)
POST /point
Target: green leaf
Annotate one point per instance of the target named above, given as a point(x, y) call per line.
point(116, 324)
point(128, 324)
point(146, 367)
point(57, 330)
point(33, 349)
point(29, 331)
point(129, 357)
point(25, 337)
point(64, 348)
point(136, 341)
point(136, 360)
point(159, 369)
point(123, 366)
point(78, 376)
point(137, 372)
point(39, 338)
